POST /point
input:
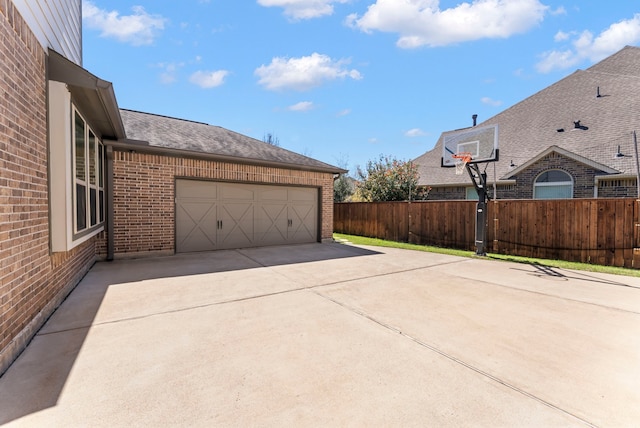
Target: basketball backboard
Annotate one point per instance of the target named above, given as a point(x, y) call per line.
point(480, 142)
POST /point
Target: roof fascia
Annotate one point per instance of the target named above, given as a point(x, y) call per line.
point(95, 97)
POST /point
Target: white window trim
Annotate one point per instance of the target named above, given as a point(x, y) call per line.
point(62, 226)
point(569, 183)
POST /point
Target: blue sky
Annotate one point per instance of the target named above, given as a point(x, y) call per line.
point(344, 81)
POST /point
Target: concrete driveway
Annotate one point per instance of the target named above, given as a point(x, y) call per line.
point(333, 335)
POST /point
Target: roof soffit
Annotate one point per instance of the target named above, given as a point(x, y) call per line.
point(94, 97)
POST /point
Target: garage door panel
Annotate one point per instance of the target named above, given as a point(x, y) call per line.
point(236, 225)
point(273, 193)
point(272, 223)
point(196, 189)
point(215, 215)
point(197, 231)
point(237, 192)
point(303, 195)
point(303, 222)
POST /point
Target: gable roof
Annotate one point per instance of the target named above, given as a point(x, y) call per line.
point(563, 152)
point(189, 138)
point(532, 126)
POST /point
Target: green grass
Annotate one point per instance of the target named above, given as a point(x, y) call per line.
point(361, 240)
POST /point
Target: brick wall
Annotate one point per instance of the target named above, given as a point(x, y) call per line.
point(505, 191)
point(447, 193)
point(144, 186)
point(583, 182)
point(619, 188)
point(583, 176)
point(32, 281)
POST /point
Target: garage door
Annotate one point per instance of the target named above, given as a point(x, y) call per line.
point(212, 215)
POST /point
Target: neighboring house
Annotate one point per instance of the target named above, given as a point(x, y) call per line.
point(82, 180)
point(573, 139)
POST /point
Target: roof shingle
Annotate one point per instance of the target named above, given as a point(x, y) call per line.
point(531, 126)
point(197, 137)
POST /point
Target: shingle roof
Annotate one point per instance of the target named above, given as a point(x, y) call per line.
point(530, 127)
point(197, 137)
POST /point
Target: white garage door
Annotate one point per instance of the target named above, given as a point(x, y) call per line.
point(213, 215)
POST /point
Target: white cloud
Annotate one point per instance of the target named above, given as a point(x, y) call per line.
point(344, 112)
point(303, 73)
point(557, 60)
point(139, 28)
point(490, 102)
point(415, 132)
point(423, 23)
point(169, 72)
point(208, 79)
point(303, 9)
point(302, 106)
point(585, 46)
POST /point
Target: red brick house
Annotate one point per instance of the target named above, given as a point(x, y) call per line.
point(83, 180)
point(573, 139)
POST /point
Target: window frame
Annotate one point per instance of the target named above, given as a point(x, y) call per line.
point(93, 180)
point(567, 184)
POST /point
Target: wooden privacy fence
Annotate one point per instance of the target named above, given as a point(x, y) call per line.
point(599, 231)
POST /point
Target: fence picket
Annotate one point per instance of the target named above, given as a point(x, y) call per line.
point(602, 231)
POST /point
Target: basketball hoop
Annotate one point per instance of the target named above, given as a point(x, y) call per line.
point(461, 160)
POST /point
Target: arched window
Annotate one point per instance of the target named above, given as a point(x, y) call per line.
point(553, 184)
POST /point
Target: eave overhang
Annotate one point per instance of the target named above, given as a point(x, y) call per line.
point(94, 97)
point(145, 147)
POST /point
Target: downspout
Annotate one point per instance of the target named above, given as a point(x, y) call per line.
point(110, 238)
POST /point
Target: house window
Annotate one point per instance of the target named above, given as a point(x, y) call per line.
point(471, 194)
point(553, 184)
point(88, 176)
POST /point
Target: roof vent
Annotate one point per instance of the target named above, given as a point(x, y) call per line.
point(577, 125)
point(475, 118)
point(560, 130)
point(598, 93)
point(618, 154)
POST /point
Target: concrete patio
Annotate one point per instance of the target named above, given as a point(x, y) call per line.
point(332, 335)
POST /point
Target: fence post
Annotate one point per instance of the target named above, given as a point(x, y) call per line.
point(635, 263)
point(409, 220)
point(496, 225)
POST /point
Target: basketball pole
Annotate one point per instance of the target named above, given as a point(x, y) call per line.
point(479, 180)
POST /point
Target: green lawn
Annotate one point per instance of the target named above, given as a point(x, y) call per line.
point(361, 240)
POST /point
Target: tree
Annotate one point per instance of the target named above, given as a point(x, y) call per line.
point(270, 138)
point(388, 179)
point(343, 185)
point(342, 188)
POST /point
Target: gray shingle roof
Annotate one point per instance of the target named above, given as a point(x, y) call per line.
point(530, 127)
point(197, 137)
